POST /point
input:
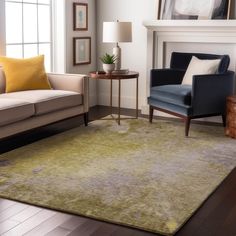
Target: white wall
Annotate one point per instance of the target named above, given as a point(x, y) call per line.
point(2, 28)
point(70, 33)
point(133, 54)
point(59, 37)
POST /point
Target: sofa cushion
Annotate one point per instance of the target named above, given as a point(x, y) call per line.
point(174, 94)
point(13, 110)
point(46, 101)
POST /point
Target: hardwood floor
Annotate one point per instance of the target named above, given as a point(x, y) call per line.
point(216, 217)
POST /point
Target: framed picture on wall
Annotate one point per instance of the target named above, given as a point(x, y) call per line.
point(80, 16)
point(82, 50)
point(192, 9)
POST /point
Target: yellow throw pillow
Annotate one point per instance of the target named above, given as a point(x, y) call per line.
point(24, 74)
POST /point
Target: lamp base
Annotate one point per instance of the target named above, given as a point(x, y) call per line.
point(117, 53)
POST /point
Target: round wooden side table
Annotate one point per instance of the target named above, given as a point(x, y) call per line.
point(100, 75)
point(231, 117)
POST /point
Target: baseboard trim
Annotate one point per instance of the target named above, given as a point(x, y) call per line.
point(158, 117)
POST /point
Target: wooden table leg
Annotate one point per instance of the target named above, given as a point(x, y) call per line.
point(111, 97)
point(119, 102)
point(137, 97)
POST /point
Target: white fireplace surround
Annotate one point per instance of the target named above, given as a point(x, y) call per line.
point(161, 32)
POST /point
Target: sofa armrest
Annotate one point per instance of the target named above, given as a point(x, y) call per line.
point(209, 92)
point(166, 76)
point(71, 82)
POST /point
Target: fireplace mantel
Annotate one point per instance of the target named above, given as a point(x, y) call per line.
point(160, 32)
point(191, 25)
point(192, 31)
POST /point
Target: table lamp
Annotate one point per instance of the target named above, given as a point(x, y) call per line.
point(117, 32)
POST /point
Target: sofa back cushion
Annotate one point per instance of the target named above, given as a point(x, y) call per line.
point(2, 81)
point(181, 60)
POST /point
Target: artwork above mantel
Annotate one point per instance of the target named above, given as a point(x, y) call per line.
point(197, 10)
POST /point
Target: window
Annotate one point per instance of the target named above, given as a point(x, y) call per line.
point(28, 29)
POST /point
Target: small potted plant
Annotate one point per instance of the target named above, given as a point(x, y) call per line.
point(108, 62)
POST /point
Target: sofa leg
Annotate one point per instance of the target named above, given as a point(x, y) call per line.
point(150, 114)
point(86, 119)
point(224, 120)
point(187, 125)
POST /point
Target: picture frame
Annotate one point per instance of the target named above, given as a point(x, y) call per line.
point(159, 4)
point(80, 16)
point(81, 50)
point(194, 10)
point(222, 10)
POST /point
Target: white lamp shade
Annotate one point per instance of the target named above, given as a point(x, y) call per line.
point(115, 32)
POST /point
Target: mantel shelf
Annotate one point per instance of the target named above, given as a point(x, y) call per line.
point(191, 25)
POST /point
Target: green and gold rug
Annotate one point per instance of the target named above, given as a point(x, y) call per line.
point(147, 176)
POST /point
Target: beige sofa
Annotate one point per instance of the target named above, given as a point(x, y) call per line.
point(25, 110)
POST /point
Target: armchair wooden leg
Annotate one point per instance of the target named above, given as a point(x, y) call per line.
point(86, 119)
point(187, 125)
point(224, 120)
point(150, 114)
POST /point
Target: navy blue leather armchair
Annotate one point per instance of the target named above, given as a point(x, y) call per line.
point(205, 97)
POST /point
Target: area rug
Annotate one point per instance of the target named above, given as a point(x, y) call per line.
point(147, 176)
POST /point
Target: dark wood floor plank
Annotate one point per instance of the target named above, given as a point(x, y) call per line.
point(136, 232)
point(31, 223)
point(58, 232)
point(73, 223)
point(48, 225)
point(210, 214)
point(123, 232)
point(86, 229)
point(218, 216)
point(7, 225)
point(229, 226)
point(105, 230)
point(11, 211)
point(143, 233)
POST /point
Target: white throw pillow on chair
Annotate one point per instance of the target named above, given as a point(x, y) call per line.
point(200, 67)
